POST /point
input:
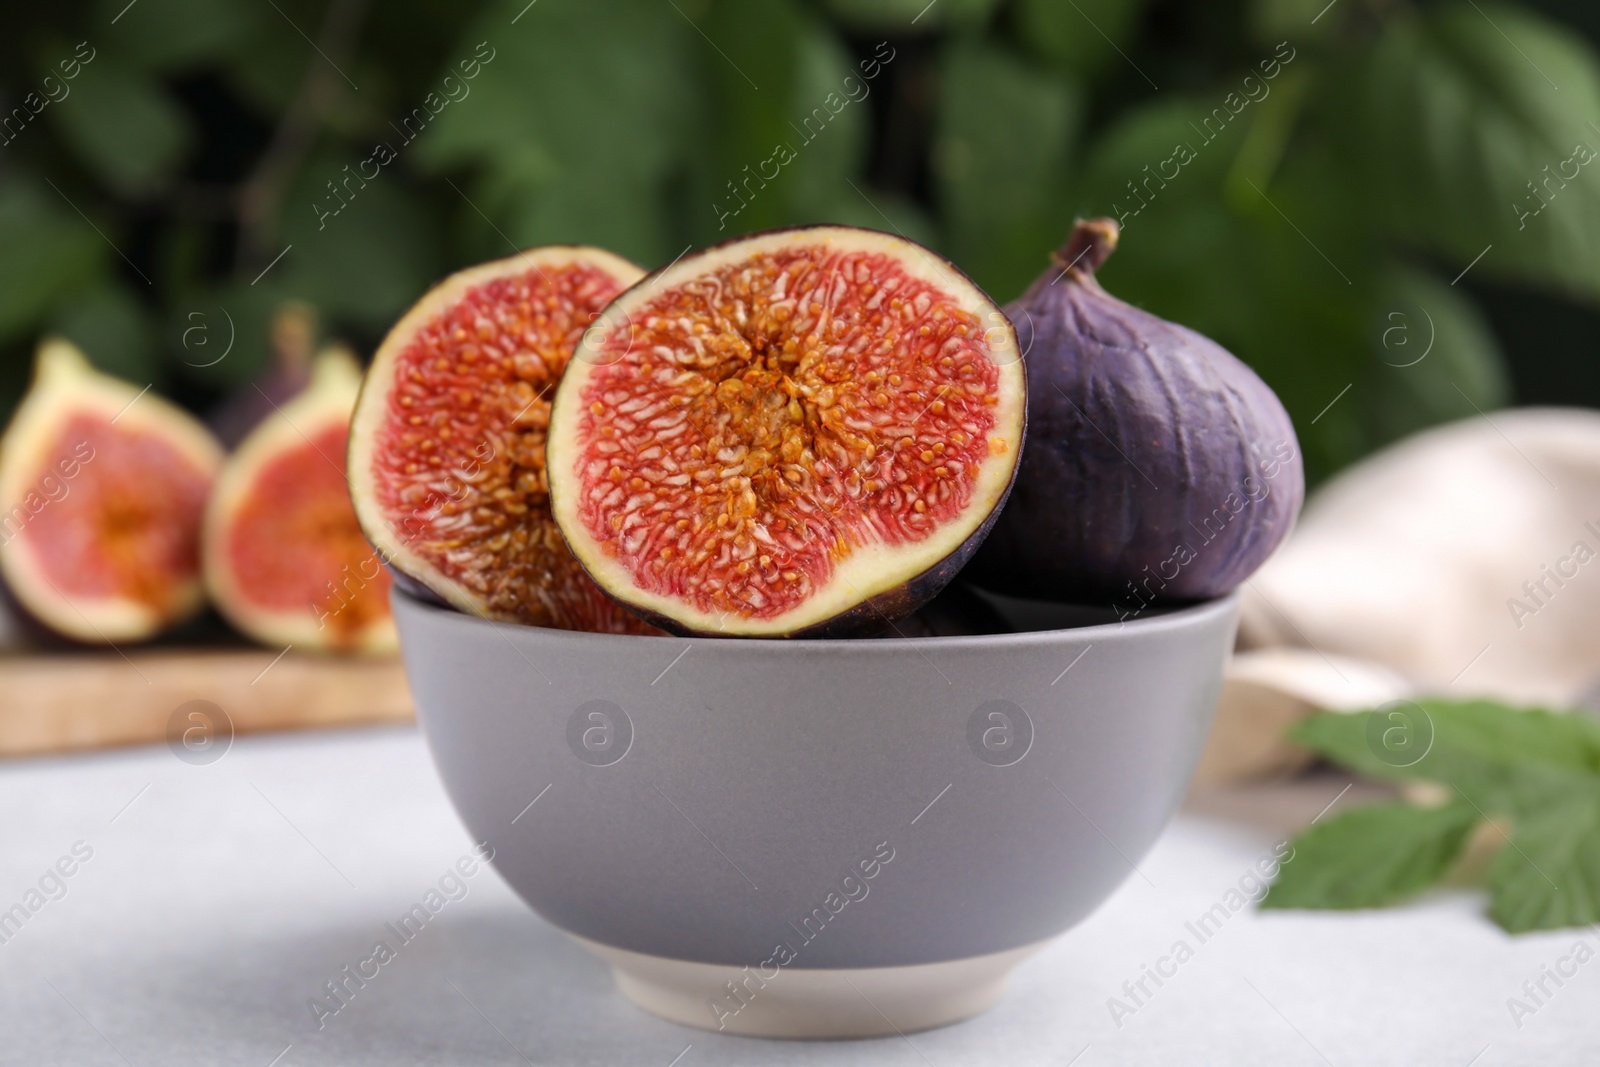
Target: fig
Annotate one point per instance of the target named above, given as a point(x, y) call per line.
point(956, 612)
point(800, 433)
point(293, 337)
point(285, 560)
point(1159, 467)
point(104, 486)
point(447, 444)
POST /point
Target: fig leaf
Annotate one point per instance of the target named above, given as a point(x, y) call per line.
point(124, 126)
point(1372, 856)
point(1534, 771)
point(1437, 357)
point(1083, 38)
point(611, 148)
point(45, 250)
point(1552, 877)
point(1004, 140)
point(1470, 143)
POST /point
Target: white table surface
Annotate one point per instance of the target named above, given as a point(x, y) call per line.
point(220, 898)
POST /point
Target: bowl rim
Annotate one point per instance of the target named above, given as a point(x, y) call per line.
point(1157, 620)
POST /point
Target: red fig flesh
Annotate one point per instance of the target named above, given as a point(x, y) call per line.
point(285, 559)
point(104, 486)
point(447, 446)
point(799, 433)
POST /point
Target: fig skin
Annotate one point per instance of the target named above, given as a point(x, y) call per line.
point(294, 334)
point(958, 611)
point(1158, 468)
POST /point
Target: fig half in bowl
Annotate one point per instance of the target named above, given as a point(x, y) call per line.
point(754, 834)
point(447, 442)
point(801, 433)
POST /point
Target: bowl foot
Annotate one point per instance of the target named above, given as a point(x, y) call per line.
point(813, 1003)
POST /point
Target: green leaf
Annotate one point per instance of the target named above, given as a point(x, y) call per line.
point(1084, 36)
point(1372, 856)
point(1437, 357)
point(113, 330)
point(123, 125)
point(177, 34)
point(1299, 20)
point(905, 16)
point(1479, 747)
point(1539, 771)
point(269, 73)
point(575, 126)
point(221, 334)
point(46, 250)
point(1549, 876)
point(889, 212)
point(1279, 281)
point(361, 251)
point(1456, 115)
point(1001, 163)
point(816, 186)
point(789, 153)
point(760, 114)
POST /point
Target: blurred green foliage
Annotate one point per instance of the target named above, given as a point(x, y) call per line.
point(192, 164)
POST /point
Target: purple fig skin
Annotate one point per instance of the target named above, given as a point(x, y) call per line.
point(1158, 467)
point(232, 421)
point(415, 589)
point(955, 612)
point(294, 332)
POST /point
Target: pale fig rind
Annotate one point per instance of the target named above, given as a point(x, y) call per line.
point(875, 582)
point(65, 386)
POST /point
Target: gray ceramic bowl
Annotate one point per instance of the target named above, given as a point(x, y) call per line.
point(817, 838)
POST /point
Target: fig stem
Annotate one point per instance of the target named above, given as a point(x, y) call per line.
point(293, 334)
point(1091, 244)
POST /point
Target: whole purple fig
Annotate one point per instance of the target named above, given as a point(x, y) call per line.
point(1157, 466)
point(293, 339)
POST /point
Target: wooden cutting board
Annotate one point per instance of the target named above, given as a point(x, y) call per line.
point(50, 703)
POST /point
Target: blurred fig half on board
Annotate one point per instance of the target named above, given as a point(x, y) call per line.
point(285, 559)
point(103, 487)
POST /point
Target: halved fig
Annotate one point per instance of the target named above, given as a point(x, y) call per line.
point(285, 559)
point(955, 612)
point(800, 433)
point(447, 446)
point(104, 486)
